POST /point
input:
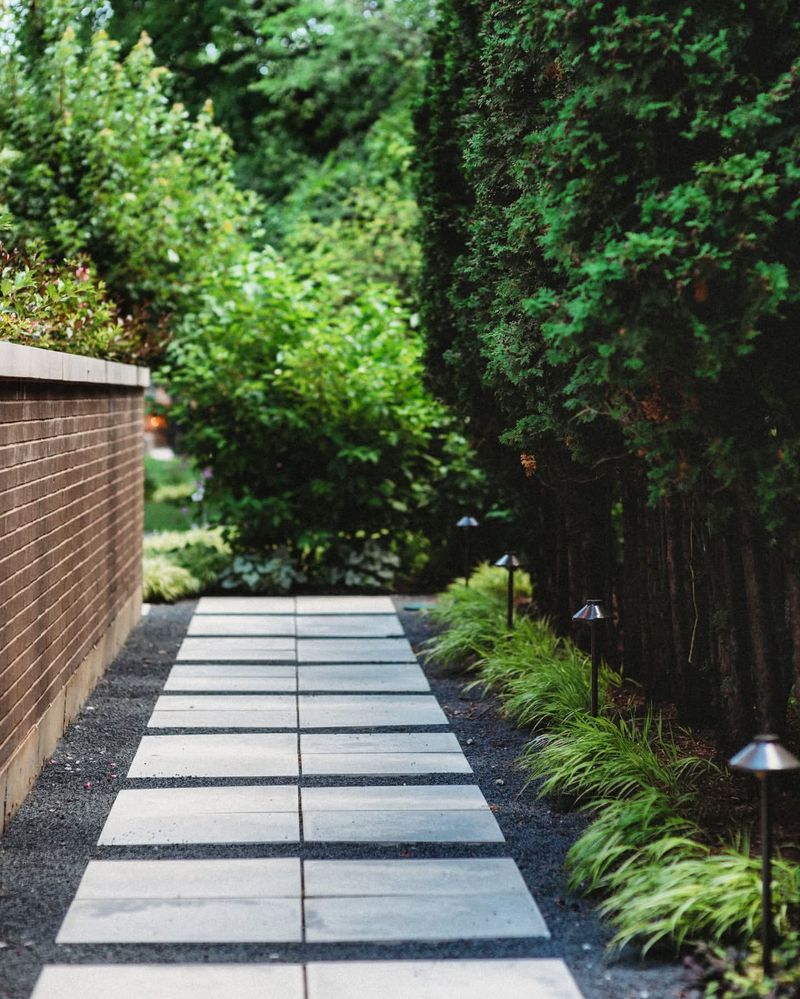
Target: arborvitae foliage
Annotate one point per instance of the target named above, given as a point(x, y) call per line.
point(611, 203)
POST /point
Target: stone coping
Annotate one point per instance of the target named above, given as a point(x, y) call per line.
point(21, 362)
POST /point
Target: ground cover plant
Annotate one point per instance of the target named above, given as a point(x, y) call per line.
point(663, 877)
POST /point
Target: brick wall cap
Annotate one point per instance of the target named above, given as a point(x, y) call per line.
point(20, 362)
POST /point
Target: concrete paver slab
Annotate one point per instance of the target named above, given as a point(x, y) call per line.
point(469, 876)
point(368, 710)
point(383, 764)
point(224, 711)
point(354, 650)
point(366, 677)
point(203, 815)
point(164, 981)
point(184, 920)
point(277, 877)
point(393, 826)
point(261, 625)
point(422, 917)
point(542, 978)
point(245, 605)
point(344, 605)
point(241, 755)
point(237, 650)
point(350, 626)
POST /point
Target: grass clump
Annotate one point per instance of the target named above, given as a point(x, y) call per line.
point(663, 880)
point(181, 564)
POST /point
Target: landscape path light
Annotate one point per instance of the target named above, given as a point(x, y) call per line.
point(762, 757)
point(592, 613)
point(467, 524)
point(511, 562)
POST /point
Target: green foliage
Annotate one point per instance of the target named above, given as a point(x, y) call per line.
point(61, 307)
point(180, 564)
point(274, 573)
point(601, 758)
point(740, 973)
point(165, 581)
point(96, 159)
point(314, 420)
point(689, 893)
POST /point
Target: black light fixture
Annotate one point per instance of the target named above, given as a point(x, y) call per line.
point(511, 562)
point(762, 757)
point(466, 524)
point(592, 613)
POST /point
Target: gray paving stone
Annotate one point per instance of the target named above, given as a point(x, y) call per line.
point(542, 978)
point(224, 711)
point(382, 754)
point(350, 626)
point(393, 826)
point(422, 917)
point(234, 678)
point(380, 742)
point(437, 797)
point(368, 710)
point(472, 877)
point(384, 764)
point(170, 981)
point(277, 877)
point(344, 605)
point(186, 901)
point(354, 650)
point(261, 625)
point(366, 677)
point(237, 650)
point(203, 815)
point(245, 605)
point(186, 920)
point(244, 754)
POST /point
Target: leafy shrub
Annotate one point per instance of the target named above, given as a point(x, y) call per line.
point(62, 307)
point(179, 564)
point(601, 758)
point(273, 573)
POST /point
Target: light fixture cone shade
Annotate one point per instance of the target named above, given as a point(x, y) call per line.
point(592, 610)
point(764, 755)
point(467, 522)
point(508, 561)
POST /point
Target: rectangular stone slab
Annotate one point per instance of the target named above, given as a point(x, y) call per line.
point(350, 626)
point(243, 754)
point(437, 797)
point(328, 878)
point(237, 650)
point(245, 605)
point(277, 877)
point(261, 625)
point(170, 981)
point(203, 815)
point(345, 605)
point(366, 677)
point(542, 978)
point(422, 917)
point(394, 826)
point(185, 920)
point(354, 650)
point(231, 678)
point(384, 764)
point(380, 742)
point(224, 711)
point(368, 711)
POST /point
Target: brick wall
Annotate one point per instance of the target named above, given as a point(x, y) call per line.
point(71, 508)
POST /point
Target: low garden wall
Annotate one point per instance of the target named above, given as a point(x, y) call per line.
point(71, 509)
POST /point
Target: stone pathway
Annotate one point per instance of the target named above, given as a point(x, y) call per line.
point(298, 696)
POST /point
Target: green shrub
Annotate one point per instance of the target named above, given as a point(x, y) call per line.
point(273, 573)
point(179, 564)
point(62, 306)
point(166, 581)
point(601, 758)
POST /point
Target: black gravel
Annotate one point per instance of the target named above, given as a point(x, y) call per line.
point(48, 844)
